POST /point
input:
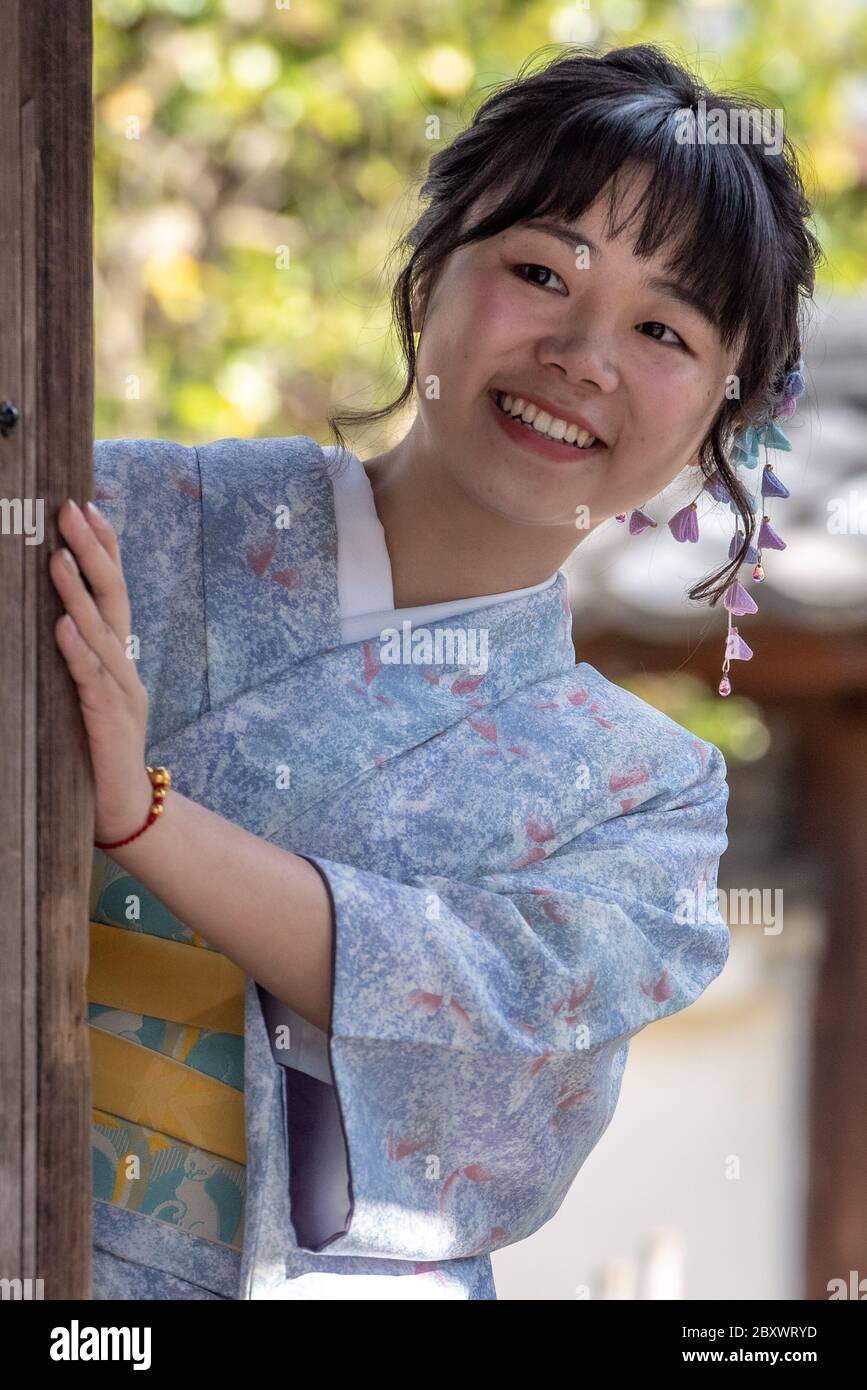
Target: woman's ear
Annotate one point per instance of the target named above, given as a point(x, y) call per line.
point(418, 305)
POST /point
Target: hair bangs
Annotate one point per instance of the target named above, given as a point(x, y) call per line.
point(704, 203)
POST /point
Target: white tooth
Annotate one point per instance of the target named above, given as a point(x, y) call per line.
point(583, 439)
point(571, 434)
point(541, 421)
point(558, 429)
point(528, 413)
point(518, 404)
point(506, 402)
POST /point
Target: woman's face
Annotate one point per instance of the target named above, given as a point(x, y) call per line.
point(586, 333)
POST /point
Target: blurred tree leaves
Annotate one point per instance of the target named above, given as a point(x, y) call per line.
point(736, 725)
point(257, 159)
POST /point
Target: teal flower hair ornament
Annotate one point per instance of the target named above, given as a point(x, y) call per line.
point(684, 524)
point(745, 450)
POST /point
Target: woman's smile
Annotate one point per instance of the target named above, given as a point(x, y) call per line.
point(561, 451)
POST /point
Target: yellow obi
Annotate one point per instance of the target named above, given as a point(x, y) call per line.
point(166, 1018)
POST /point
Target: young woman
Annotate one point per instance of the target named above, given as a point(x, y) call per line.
point(363, 977)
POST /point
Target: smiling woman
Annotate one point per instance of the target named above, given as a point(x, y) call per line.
point(439, 898)
point(578, 250)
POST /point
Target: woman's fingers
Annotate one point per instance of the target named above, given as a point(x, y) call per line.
point(92, 540)
point(87, 668)
point(108, 656)
point(104, 531)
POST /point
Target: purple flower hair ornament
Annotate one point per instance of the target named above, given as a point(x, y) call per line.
point(684, 524)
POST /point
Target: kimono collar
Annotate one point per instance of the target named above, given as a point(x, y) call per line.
point(271, 594)
point(269, 557)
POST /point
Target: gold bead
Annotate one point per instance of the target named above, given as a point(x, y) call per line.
point(158, 809)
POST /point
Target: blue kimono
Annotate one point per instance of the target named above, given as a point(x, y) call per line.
point(521, 864)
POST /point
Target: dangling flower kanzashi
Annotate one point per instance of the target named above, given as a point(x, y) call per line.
point(746, 452)
point(684, 524)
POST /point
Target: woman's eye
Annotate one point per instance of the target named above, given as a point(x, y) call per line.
point(651, 323)
point(546, 270)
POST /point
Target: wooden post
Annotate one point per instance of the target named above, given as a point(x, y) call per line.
point(835, 776)
point(46, 376)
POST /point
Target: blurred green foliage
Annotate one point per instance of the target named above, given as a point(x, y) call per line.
point(735, 724)
point(256, 160)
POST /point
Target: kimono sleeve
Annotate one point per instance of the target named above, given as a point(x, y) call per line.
point(480, 1030)
point(150, 490)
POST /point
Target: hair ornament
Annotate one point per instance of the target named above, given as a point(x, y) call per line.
point(684, 524)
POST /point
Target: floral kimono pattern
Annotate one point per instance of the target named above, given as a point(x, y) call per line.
point(513, 858)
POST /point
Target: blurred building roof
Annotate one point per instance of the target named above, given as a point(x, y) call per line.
point(636, 585)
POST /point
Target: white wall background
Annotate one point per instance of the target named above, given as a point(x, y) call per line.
point(725, 1077)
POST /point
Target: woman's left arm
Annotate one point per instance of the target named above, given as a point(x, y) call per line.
point(265, 908)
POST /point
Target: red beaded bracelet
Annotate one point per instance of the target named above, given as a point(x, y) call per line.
point(161, 779)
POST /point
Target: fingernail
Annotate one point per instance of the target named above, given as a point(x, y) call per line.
point(94, 510)
point(69, 559)
point(73, 506)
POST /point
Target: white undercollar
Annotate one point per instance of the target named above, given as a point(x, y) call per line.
point(364, 582)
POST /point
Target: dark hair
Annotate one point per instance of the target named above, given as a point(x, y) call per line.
point(550, 141)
